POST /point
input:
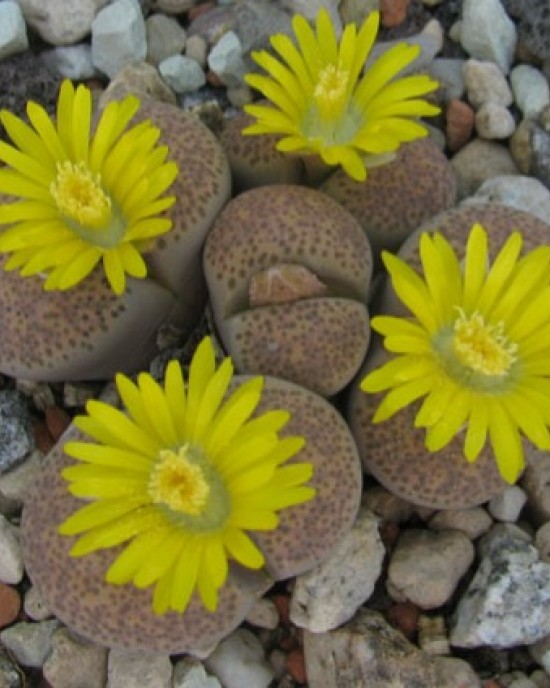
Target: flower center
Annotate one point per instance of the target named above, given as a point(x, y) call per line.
point(330, 90)
point(179, 483)
point(79, 196)
point(481, 346)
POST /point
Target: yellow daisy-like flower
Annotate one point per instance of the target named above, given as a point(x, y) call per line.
point(477, 347)
point(82, 199)
point(322, 104)
point(182, 476)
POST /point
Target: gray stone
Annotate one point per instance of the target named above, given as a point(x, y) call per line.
point(239, 661)
point(61, 22)
point(75, 663)
point(534, 27)
point(485, 83)
point(71, 62)
point(530, 89)
point(367, 651)
point(493, 121)
point(542, 542)
point(13, 30)
point(425, 567)
point(387, 506)
point(11, 558)
point(507, 505)
point(540, 678)
point(118, 36)
point(540, 160)
point(30, 643)
point(15, 484)
point(472, 522)
point(310, 8)
point(330, 594)
point(508, 601)
point(356, 11)
point(196, 48)
point(165, 37)
point(190, 673)
point(182, 74)
point(487, 33)
point(535, 481)
point(256, 21)
point(137, 669)
point(16, 433)
point(516, 191)
point(173, 6)
point(225, 59)
point(448, 71)
point(478, 161)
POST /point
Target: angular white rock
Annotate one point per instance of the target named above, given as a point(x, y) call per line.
point(118, 36)
point(30, 643)
point(70, 656)
point(508, 601)
point(330, 594)
point(182, 74)
point(225, 59)
point(487, 33)
point(13, 30)
point(530, 89)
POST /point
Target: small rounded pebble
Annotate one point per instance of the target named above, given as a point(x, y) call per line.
point(542, 542)
point(404, 616)
point(494, 121)
point(507, 505)
point(57, 421)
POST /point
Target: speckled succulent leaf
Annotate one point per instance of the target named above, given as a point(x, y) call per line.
point(191, 476)
point(320, 103)
point(82, 199)
point(472, 347)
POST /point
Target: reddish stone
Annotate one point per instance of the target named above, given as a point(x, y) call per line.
point(57, 421)
point(459, 125)
point(282, 602)
point(492, 683)
point(389, 532)
point(393, 12)
point(10, 604)
point(404, 616)
point(42, 438)
point(296, 665)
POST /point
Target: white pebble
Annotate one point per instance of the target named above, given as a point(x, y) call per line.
point(13, 31)
point(485, 83)
point(11, 558)
point(190, 673)
point(239, 661)
point(507, 505)
point(225, 59)
point(487, 33)
point(530, 89)
point(182, 74)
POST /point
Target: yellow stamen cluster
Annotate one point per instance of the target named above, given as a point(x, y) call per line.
point(481, 346)
point(79, 196)
point(330, 90)
point(178, 482)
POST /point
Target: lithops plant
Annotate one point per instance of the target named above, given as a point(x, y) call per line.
point(477, 399)
point(254, 160)
point(288, 273)
point(90, 305)
point(398, 196)
point(181, 489)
